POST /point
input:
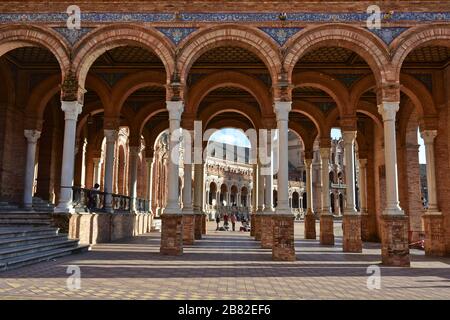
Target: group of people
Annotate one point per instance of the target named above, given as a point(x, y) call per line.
point(232, 218)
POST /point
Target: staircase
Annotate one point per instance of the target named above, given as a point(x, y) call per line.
point(20, 246)
point(27, 237)
point(42, 205)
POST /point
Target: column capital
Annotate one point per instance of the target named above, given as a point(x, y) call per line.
point(282, 109)
point(428, 136)
point(71, 109)
point(32, 135)
point(97, 160)
point(362, 163)
point(388, 109)
point(149, 160)
point(175, 109)
point(308, 163)
point(349, 136)
point(325, 153)
point(111, 135)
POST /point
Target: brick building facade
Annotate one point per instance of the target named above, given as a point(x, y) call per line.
point(307, 67)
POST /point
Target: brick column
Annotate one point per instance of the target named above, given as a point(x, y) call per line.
point(32, 137)
point(310, 219)
point(433, 220)
point(283, 221)
point(326, 218)
point(172, 226)
point(351, 221)
point(394, 226)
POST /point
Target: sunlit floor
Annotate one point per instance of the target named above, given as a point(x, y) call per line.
point(228, 265)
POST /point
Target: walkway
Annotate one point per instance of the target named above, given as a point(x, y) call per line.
point(227, 265)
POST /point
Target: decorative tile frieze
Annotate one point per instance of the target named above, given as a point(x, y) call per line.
point(388, 34)
point(176, 35)
point(73, 35)
point(221, 17)
point(281, 35)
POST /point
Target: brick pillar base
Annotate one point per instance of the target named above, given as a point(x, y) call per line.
point(198, 226)
point(188, 228)
point(394, 240)
point(326, 229)
point(433, 224)
point(365, 232)
point(252, 225)
point(310, 225)
point(258, 227)
point(203, 223)
point(171, 234)
point(61, 221)
point(266, 231)
point(283, 248)
point(351, 240)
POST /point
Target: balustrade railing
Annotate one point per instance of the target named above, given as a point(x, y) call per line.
point(85, 200)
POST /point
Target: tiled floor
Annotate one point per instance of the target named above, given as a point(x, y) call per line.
point(227, 265)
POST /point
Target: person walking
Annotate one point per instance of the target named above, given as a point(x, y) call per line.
point(217, 222)
point(233, 221)
point(92, 197)
point(225, 221)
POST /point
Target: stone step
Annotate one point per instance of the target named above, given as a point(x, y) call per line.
point(10, 253)
point(8, 233)
point(16, 219)
point(28, 240)
point(41, 256)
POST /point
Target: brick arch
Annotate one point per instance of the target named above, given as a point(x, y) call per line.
point(150, 137)
point(7, 89)
point(306, 137)
point(430, 34)
point(419, 95)
point(17, 36)
point(313, 114)
point(333, 87)
point(220, 79)
point(95, 43)
point(39, 98)
point(357, 39)
point(227, 123)
point(89, 109)
point(143, 116)
point(101, 88)
point(405, 113)
point(249, 38)
point(371, 111)
point(129, 84)
point(216, 108)
point(359, 88)
point(330, 120)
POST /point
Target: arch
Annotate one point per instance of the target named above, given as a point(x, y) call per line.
point(312, 113)
point(333, 87)
point(249, 38)
point(220, 79)
point(357, 39)
point(100, 87)
point(17, 36)
point(419, 95)
point(129, 84)
point(416, 37)
point(303, 134)
point(295, 200)
point(8, 88)
point(40, 96)
point(143, 116)
point(218, 107)
point(97, 42)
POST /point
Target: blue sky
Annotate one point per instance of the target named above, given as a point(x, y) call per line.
point(237, 137)
point(231, 136)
